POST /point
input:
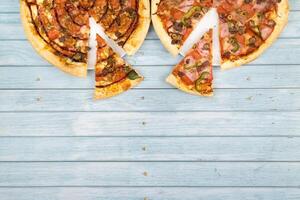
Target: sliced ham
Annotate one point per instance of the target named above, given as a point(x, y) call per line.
point(266, 32)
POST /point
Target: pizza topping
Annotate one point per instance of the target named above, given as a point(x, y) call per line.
point(76, 12)
point(111, 68)
point(235, 45)
point(86, 4)
point(244, 25)
point(46, 22)
point(67, 23)
point(200, 84)
point(132, 75)
point(123, 21)
point(114, 7)
point(195, 70)
point(99, 9)
point(193, 12)
point(180, 17)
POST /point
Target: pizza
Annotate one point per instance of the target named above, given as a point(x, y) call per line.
point(246, 27)
point(194, 73)
point(59, 29)
point(174, 20)
point(112, 74)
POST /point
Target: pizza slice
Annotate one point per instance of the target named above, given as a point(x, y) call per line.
point(112, 74)
point(248, 28)
point(175, 20)
point(194, 73)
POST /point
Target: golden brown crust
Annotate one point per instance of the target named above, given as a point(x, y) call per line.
point(281, 21)
point(173, 80)
point(45, 50)
point(138, 36)
point(116, 88)
point(161, 32)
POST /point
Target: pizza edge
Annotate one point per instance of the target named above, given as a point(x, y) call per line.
point(46, 51)
point(117, 88)
point(173, 80)
point(139, 35)
point(161, 32)
point(281, 22)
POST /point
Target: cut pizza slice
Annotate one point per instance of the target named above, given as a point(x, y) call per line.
point(194, 73)
point(248, 28)
point(112, 74)
point(175, 20)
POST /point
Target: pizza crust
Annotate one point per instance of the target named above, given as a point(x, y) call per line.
point(45, 50)
point(138, 36)
point(173, 80)
point(116, 89)
point(161, 32)
point(281, 21)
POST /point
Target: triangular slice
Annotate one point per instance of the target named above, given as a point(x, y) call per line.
point(194, 73)
point(113, 75)
point(175, 20)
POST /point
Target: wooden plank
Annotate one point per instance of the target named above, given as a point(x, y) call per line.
point(13, 5)
point(151, 100)
point(11, 28)
point(256, 76)
point(151, 124)
point(7, 6)
point(96, 193)
point(208, 174)
point(284, 51)
point(150, 149)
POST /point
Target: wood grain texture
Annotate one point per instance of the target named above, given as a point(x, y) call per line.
point(150, 149)
point(153, 142)
point(96, 193)
point(208, 174)
point(151, 100)
point(183, 124)
point(46, 77)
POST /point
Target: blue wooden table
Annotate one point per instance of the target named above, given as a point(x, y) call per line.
point(152, 142)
